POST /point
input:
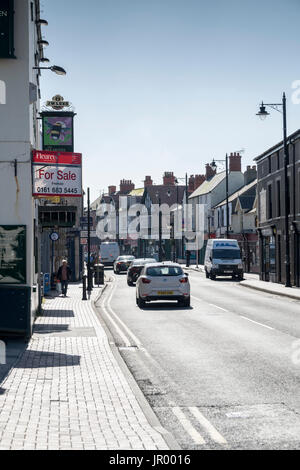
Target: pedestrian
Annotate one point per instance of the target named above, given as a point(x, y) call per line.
point(64, 276)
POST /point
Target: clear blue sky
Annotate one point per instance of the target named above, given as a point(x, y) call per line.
point(166, 85)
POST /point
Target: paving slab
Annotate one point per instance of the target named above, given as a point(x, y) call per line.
point(68, 391)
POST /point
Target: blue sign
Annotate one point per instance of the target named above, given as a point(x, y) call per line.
point(46, 283)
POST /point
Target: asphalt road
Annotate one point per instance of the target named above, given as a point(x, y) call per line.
point(223, 374)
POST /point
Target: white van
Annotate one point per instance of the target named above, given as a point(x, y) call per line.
point(108, 253)
point(223, 258)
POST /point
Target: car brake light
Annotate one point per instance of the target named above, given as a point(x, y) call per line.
point(145, 280)
point(183, 280)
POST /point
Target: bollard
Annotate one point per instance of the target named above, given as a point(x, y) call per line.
point(99, 274)
point(84, 287)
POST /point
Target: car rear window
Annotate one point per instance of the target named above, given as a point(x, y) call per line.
point(142, 262)
point(157, 271)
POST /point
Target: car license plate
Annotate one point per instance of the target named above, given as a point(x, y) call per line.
point(228, 272)
point(165, 292)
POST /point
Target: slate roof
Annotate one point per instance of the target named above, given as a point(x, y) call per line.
point(209, 185)
point(248, 188)
point(167, 193)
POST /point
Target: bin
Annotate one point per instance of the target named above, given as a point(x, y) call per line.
point(99, 274)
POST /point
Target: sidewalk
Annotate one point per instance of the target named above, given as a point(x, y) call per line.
point(252, 281)
point(67, 391)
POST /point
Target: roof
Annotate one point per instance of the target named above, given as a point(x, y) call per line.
point(137, 192)
point(246, 202)
point(239, 192)
point(278, 146)
point(168, 194)
point(209, 185)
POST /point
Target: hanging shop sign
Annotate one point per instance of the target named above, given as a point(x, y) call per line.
point(58, 103)
point(58, 131)
point(7, 50)
point(12, 254)
point(57, 174)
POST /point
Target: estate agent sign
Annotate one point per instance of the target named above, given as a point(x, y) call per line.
point(57, 174)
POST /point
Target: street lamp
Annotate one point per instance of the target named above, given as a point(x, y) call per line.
point(184, 212)
point(263, 114)
point(159, 228)
point(54, 68)
point(214, 167)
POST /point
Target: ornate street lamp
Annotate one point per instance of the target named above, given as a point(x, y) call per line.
point(263, 114)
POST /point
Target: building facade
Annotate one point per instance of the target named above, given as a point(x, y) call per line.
point(271, 211)
point(19, 135)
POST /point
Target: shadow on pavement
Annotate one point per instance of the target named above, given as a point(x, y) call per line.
point(14, 348)
point(58, 314)
point(46, 329)
point(40, 359)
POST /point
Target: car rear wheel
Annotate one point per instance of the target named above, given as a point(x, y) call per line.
point(141, 302)
point(129, 283)
point(184, 302)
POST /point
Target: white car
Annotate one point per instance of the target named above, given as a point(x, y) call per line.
point(163, 281)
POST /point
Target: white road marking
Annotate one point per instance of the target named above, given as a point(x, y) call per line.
point(128, 331)
point(209, 428)
point(187, 425)
point(224, 310)
point(120, 332)
point(257, 323)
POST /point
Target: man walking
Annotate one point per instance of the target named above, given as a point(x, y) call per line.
point(64, 276)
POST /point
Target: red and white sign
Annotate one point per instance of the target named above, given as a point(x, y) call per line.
point(57, 174)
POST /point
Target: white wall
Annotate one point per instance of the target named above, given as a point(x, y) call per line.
point(16, 134)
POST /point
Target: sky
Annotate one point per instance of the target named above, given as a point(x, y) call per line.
point(168, 85)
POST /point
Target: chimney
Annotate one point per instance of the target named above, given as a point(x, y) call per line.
point(126, 186)
point(169, 178)
point(112, 190)
point(250, 174)
point(191, 187)
point(210, 173)
point(199, 179)
point(235, 163)
point(148, 181)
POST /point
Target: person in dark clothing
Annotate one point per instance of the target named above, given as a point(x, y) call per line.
point(64, 276)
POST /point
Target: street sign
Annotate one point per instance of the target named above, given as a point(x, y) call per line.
point(56, 174)
point(54, 236)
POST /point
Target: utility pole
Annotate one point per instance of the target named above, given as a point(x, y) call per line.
point(227, 204)
point(90, 286)
point(159, 231)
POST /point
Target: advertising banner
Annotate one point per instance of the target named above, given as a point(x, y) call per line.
point(57, 174)
point(12, 254)
point(58, 131)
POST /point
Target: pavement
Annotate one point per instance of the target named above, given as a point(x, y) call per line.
point(69, 390)
point(252, 281)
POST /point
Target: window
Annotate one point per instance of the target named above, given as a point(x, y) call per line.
point(278, 160)
point(164, 271)
point(278, 197)
point(270, 206)
point(269, 164)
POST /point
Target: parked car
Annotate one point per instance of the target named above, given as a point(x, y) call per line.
point(108, 253)
point(163, 281)
point(223, 258)
point(122, 263)
point(136, 267)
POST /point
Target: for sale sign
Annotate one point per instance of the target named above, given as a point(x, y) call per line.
point(57, 174)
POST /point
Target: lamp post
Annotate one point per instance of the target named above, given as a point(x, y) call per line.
point(263, 114)
point(54, 68)
point(159, 229)
point(214, 166)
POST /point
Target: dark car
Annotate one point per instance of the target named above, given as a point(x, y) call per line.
point(135, 269)
point(122, 263)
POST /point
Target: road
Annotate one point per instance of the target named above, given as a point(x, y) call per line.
point(223, 374)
